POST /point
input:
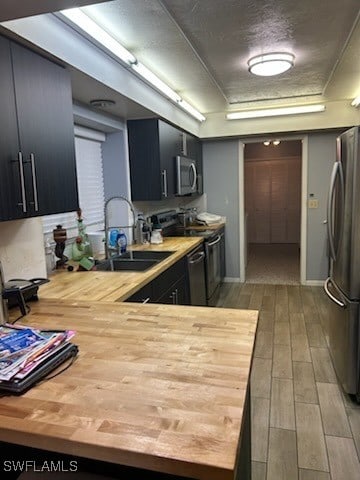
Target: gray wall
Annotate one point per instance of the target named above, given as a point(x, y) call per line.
point(321, 156)
point(221, 184)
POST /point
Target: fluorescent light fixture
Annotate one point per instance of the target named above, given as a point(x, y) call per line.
point(155, 81)
point(356, 102)
point(274, 112)
point(190, 109)
point(85, 23)
point(271, 64)
point(76, 16)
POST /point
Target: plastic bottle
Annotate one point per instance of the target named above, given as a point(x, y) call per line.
point(122, 242)
point(113, 236)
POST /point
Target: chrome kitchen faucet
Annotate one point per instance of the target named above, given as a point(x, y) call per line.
point(106, 225)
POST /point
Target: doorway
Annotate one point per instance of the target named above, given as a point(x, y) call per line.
point(272, 211)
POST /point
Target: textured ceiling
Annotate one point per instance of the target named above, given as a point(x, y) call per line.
point(201, 47)
point(11, 9)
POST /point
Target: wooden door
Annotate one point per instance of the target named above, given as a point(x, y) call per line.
point(257, 194)
point(273, 200)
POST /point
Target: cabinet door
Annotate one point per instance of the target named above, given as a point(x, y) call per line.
point(177, 294)
point(199, 168)
point(10, 190)
point(182, 291)
point(144, 295)
point(45, 120)
point(168, 278)
point(144, 157)
point(168, 138)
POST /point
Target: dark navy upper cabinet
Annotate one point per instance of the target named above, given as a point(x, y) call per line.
point(152, 150)
point(153, 146)
point(37, 160)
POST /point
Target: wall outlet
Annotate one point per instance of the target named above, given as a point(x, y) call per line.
point(313, 203)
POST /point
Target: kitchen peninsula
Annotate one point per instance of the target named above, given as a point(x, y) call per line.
point(156, 387)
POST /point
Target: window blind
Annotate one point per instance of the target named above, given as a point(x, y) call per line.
point(90, 185)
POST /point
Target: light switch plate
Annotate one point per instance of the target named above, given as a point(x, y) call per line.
point(313, 203)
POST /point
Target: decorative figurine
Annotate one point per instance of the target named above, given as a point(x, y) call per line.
point(60, 237)
point(81, 248)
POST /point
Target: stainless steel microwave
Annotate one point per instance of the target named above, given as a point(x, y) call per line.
point(186, 176)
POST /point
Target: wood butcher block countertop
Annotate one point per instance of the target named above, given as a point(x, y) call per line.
point(158, 387)
point(115, 286)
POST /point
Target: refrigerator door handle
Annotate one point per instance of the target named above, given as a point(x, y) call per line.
point(334, 174)
point(331, 296)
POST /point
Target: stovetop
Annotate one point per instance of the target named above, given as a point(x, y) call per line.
point(171, 227)
point(181, 232)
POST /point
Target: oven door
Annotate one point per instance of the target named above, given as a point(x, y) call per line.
point(186, 176)
point(213, 265)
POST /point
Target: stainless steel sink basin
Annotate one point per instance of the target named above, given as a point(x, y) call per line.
point(145, 255)
point(117, 264)
point(138, 261)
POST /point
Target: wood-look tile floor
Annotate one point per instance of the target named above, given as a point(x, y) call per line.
point(303, 426)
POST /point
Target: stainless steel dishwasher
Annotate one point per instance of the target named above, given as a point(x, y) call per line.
point(196, 272)
point(213, 254)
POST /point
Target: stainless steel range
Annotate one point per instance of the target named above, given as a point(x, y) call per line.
point(214, 245)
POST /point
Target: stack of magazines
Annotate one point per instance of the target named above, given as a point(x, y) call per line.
point(28, 354)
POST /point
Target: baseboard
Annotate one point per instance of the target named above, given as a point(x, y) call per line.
point(314, 283)
point(232, 280)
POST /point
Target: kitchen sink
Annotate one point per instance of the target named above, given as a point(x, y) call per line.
point(145, 255)
point(137, 260)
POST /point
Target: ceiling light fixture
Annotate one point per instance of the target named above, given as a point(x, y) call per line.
point(271, 64)
point(273, 112)
point(190, 109)
point(155, 81)
point(85, 23)
point(356, 102)
point(76, 16)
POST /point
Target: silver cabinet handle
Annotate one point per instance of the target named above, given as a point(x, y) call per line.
point(176, 296)
point(146, 300)
point(218, 238)
point(193, 168)
point(164, 178)
point(330, 295)
point(184, 144)
point(33, 175)
point(198, 258)
point(172, 296)
point(22, 182)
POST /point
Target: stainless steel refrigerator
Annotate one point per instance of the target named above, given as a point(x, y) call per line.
point(343, 285)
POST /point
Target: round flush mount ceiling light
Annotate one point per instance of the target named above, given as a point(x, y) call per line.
point(271, 64)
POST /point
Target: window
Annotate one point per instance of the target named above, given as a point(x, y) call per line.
point(89, 166)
